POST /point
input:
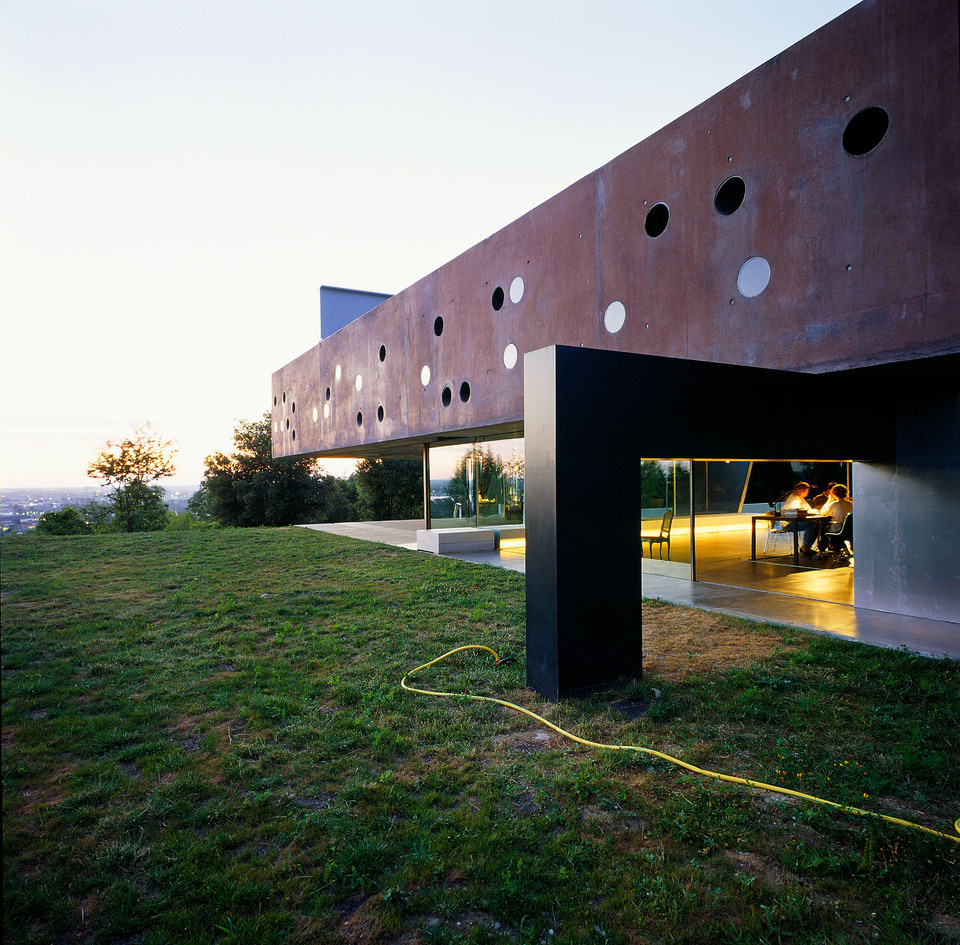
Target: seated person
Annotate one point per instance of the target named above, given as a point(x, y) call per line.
point(834, 512)
point(839, 507)
point(797, 497)
point(818, 502)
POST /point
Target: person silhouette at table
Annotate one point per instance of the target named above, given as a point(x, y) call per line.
point(796, 498)
point(838, 508)
point(819, 501)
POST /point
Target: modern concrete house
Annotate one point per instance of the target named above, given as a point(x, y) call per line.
point(767, 289)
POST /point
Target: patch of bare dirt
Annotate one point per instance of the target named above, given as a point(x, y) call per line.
point(530, 741)
point(761, 867)
point(679, 642)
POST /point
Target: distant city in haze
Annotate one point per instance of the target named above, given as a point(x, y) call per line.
point(20, 509)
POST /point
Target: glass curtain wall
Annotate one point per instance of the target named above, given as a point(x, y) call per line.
point(477, 484)
point(665, 488)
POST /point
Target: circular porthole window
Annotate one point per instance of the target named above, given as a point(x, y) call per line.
point(337, 372)
point(438, 326)
point(730, 196)
point(359, 382)
point(446, 395)
point(359, 418)
point(316, 414)
point(865, 130)
point(656, 220)
point(516, 290)
point(425, 375)
point(754, 277)
point(497, 300)
point(464, 392)
point(614, 317)
point(327, 395)
point(383, 352)
point(380, 413)
point(510, 357)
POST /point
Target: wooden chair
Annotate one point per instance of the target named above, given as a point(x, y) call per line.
point(664, 536)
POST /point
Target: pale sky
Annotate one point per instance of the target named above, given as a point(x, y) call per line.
point(178, 178)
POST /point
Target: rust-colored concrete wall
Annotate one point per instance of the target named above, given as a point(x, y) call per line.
point(864, 251)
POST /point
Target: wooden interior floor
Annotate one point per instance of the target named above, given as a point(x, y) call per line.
point(724, 558)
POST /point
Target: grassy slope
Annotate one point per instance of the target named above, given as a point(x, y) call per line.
point(204, 740)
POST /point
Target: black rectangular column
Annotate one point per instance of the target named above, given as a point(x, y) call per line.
point(582, 503)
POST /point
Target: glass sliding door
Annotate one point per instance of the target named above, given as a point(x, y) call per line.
point(477, 484)
point(665, 499)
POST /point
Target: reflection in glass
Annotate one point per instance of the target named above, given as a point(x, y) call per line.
point(477, 484)
point(665, 486)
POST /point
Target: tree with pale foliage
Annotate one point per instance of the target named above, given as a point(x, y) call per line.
point(129, 468)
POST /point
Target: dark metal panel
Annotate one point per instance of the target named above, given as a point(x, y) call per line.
point(582, 566)
point(908, 512)
point(540, 514)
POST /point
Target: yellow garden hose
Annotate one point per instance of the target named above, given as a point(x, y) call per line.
point(657, 754)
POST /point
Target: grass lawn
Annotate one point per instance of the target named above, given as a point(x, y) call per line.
point(205, 740)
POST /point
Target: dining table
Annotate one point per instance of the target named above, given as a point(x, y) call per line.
point(771, 518)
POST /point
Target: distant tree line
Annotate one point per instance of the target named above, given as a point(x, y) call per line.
point(245, 488)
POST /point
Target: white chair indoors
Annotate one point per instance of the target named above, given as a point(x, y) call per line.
point(778, 531)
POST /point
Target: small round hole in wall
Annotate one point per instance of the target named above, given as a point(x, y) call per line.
point(510, 357)
point(383, 352)
point(328, 394)
point(425, 375)
point(446, 395)
point(337, 372)
point(288, 424)
point(380, 413)
point(730, 196)
point(497, 299)
point(614, 317)
point(464, 392)
point(656, 220)
point(293, 434)
point(284, 396)
point(293, 407)
point(438, 326)
point(359, 418)
point(754, 277)
point(274, 401)
point(359, 382)
point(516, 290)
point(865, 130)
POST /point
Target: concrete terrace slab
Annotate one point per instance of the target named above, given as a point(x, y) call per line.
point(937, 638)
